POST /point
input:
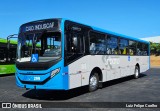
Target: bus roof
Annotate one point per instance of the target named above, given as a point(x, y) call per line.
point(5, 41)
point(113, 33)
point(120, 35)
point(97, 29)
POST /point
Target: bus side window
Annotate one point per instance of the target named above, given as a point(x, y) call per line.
point(131, 51)
point(144, 49)
point(123, 46)
point(2, 55)
point(97, 43)
point(139, 48)
point(74, 45)
point(132, 47)
point(108, 50)
point(92, 48)
point(112, 45)
point(77, 43)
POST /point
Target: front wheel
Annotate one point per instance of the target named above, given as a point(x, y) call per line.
point(93, 82)
point(136, 72)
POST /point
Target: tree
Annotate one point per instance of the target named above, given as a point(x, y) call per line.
point(155, 48)
point(158, 49)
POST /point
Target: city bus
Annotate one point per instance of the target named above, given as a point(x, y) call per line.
point(7, 56)
point(73, 54)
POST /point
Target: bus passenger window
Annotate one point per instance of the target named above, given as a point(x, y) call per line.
point(92, 48)
point(144, 49)
point(139, 48)
point(131, 51)
point(123, 46)
point(132, 47)
point(112, 45)
point(108, 51)
point(97, 43)
point(2, 54)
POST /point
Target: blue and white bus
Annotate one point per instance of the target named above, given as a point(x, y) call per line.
point(59, 54)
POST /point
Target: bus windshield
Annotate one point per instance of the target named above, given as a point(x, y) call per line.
point(47, 45)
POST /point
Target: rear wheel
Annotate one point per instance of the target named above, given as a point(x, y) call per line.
point(136, 72)
point(93, 82)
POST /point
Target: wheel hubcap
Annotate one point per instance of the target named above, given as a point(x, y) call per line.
point(137, 72)
point(93, 81)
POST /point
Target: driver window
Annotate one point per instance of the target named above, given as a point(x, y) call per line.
point(74, 46)
point(75, 43)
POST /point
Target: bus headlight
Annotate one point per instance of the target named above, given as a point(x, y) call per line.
point(54, 72)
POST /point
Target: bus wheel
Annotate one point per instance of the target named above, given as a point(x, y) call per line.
point(136, 72)
point(93, 82)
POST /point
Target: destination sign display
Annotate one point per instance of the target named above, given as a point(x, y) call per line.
point(39, 25)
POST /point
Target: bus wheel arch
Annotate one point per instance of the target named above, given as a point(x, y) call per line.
point(96, 73)
point(138, 66)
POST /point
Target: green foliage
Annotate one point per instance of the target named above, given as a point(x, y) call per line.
point(5, 41)
point(155, 48)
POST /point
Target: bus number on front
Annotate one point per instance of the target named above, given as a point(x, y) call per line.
point(36, 78)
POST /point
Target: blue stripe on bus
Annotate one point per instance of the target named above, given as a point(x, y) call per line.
point(65, 78)
point(119, 35)
point(110, 32)
point(65, 69)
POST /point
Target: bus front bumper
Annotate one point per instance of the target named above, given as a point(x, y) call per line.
point(58, 82)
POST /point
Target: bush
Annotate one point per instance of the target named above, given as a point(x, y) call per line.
point(155, 48)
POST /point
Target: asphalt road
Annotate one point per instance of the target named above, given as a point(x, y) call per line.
point(144, 89)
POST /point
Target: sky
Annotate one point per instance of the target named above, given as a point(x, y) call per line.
point(136, 18)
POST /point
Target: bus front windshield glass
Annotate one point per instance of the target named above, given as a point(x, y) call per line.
point(46, 45)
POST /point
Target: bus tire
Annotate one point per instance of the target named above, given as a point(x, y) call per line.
point(93, 82)
point(136, 72)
